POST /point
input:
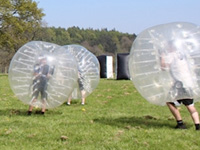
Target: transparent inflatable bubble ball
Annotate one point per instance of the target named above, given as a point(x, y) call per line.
point(88, 70)
point(42, 74)
point(164, 62)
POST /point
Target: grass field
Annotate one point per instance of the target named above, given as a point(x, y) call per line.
point(115, 117)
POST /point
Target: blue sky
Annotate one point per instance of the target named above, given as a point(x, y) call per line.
point(127, 16)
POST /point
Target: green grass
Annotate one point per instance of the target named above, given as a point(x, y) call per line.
point(115, 117)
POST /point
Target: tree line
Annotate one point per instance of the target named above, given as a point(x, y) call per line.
point(21, 22)
point(97, 41)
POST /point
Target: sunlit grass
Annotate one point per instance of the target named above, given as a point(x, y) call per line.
point(115, 117)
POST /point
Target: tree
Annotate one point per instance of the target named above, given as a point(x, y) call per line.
point(75, 34)
point(126, 44)
point(19, 22)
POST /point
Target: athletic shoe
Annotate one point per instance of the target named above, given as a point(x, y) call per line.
point(180, 126)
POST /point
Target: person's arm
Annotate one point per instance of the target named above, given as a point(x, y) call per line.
point(164, 65)
point(36, 71)
point(50, 72)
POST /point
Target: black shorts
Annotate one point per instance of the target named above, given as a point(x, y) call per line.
point(42, 92)
point(186, 102)
point(41, 88)
point(80, 84)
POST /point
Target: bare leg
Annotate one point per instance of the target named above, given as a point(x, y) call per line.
point(82, 101)
point(194, 114)
point(31, 107)
point(69, 100)
point(43, 106)
point(174, 110)
point(83, 97)
point(43, 109)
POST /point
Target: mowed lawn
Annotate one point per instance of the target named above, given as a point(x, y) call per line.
point(115, 117)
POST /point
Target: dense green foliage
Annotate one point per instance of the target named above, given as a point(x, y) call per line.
point(115, 117)
point(97, 41)
point(19, 22)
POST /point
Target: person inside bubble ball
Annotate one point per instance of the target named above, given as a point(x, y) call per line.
point(81, 88)
point(42, 73)
point(175, 62)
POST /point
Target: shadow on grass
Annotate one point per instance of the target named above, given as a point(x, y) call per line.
point(12, 112)
point(24, 112)
point(145, 122)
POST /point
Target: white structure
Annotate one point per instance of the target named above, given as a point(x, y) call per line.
point(106, 66)
point(109, 66)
